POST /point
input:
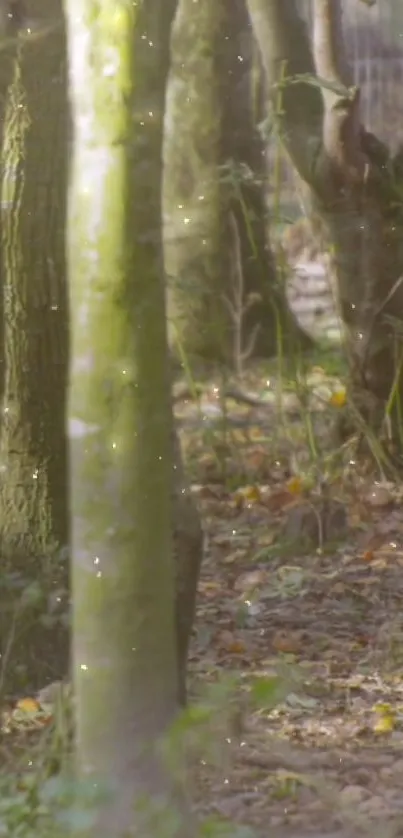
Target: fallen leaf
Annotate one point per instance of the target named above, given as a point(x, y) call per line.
point(27, 705)
point(295, 485)
point(371, 545)
point(247, 495)
point(209, 588)
point(386, 718)
point(380, 564)
point(287, 642)
point(279, 500)
point(249, 581)
point(338, 398)
point(385, 724)
point(228, 641)
point(257, 460)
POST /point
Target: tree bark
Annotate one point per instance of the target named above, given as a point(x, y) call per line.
point(225, 300)
point(268, 321)
point(354, 186)
point(194, 219)
point(33, 488)
point(120, 416)
point(188, 554)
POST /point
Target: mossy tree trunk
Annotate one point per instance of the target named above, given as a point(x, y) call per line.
point(120, 414)
point(193, 211)
point(224, 299)
point(355, 187)
point(33, 488)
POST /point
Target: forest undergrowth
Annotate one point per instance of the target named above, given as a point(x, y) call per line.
point(300, 600)
point(295, 724)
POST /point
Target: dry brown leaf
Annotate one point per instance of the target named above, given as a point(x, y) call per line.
point(257, 460)
point(267, 538)
point(374, 542)
point(287, 642)
point(229, 642)
point(209, 588)
point(279, 500)
point(250, 580)
point(208, 492)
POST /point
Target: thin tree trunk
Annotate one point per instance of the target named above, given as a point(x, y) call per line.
point(120, 415)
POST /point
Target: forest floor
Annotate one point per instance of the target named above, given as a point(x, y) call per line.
point(300, 624)
point(297, 655)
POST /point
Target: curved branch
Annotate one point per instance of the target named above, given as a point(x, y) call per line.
point(317, 111)
point(328, 44)
point(284, 44)
point(342, 125)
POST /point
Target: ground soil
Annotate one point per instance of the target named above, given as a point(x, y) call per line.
point(318, 750)
point(297, 653)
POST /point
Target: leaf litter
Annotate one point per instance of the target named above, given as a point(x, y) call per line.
point(309, 608)
point(297, 653)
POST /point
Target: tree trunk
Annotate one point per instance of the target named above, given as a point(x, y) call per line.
point(188, 553)
point(355, 188)
point(33, 490)
point(225, 302)
point(193, 212)
point(268, 320)
point(120, 414)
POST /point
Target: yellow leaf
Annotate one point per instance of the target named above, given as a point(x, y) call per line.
point(385, 724)
point(338, 398)
point(382, 708)
point(27, 705)
point(295, 485)
point(387, 718)
point(249, 494)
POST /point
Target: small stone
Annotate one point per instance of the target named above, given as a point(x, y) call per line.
point(378, 496)
point(353, 794)
point(297, 819)
point(375, 806)
point(363, 776)
point(397, 769)
point(315, 806)
point(276, 820)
